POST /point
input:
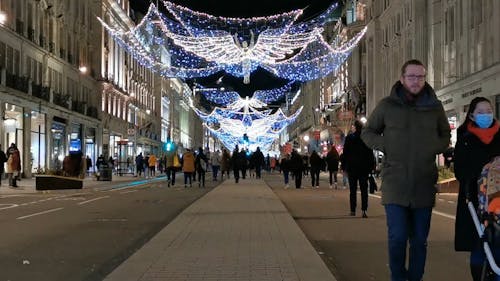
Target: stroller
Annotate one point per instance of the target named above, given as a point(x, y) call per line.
point(486, 220)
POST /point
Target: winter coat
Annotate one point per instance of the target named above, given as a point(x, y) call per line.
point(470, 156)
point(410, 136)
point(258, 158)
point(332, 160)
point(296, 163)
point(188, 162)
point(197, 162)
point(316, 162)
point(152, 160)
point(358, 158)
point(215, 159)
point(225, 161)
point(13, 160)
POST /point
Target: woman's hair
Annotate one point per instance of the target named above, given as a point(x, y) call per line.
point(472, 107)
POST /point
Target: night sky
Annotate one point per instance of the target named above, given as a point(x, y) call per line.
point(260, 79)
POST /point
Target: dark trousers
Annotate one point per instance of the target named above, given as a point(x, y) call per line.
point(188, 176)
point(405, 224)
point(353, 187)
point(12, 180)
point(201, 177)
point(171, 175)
point(334, 174)
point(215, 171)
point(298, 178)
point(236, 172)
point(314, 177)
point(258, 170)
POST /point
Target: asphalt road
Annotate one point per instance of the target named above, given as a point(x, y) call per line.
point(85, 234)
point(355, 249)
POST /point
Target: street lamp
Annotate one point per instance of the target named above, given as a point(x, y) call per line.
point(306, 138)
point(363, 120)
point(83, 69)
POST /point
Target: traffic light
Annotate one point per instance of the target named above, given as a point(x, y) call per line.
point(169, 146)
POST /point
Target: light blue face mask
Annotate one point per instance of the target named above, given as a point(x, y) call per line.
point(483, 120)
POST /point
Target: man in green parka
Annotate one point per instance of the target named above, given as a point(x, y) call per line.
point(410, 127)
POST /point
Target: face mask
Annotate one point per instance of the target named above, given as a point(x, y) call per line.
point(484, 120)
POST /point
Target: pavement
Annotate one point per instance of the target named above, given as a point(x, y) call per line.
point(235, 232)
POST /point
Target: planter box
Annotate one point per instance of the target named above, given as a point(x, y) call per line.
point(49, 182)
point(448, 186)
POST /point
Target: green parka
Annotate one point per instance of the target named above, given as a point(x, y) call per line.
point(410, 135)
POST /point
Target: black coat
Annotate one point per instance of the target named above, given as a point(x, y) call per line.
point(332, 160)
point(470, 156)
point(358, 158)
point(317, 163)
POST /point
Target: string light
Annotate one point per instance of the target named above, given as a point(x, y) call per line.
point(198, 44)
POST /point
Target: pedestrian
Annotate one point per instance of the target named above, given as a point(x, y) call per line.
point(188, 167)
point(411, 128)
point(235, 160)
point(200, 167)
point(317, 163)
point(225, 164)
point(243, 163)
point(345, 177)
point(13, 164)
point(332, 162)
point(139, 164)
point(152, 165)
point(3, 159)
point(172, 163)
point(478, 142)
point(258, 161)
point(215, 160)
point(359, 161)
point(284, 164)
point(296, 166)
point(88, 164)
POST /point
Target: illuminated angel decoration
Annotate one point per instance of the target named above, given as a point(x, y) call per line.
point(197, 44)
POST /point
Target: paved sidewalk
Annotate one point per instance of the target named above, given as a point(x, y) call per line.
point(235, 232)
point(28, 185)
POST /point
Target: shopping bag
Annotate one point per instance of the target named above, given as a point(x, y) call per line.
point(177, 163)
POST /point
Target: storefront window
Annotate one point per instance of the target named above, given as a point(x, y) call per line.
point(75, 138)
point(13, 127)
point(38, 147)
point(90, 146)
point(58, 132)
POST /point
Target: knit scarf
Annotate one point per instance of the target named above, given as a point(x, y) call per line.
point(485, 135)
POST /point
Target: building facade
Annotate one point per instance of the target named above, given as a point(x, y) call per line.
point(49, 103)
point(456, 39)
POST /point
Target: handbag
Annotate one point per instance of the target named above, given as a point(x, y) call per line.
point(372, 184)
point(177, 163)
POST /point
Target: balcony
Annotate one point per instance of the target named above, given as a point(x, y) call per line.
point(92, 112)
point(16, 82)
point(61, 100)
point(19, 27)
point(31, 34)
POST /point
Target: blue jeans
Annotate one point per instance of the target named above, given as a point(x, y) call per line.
point(405, 223)
point(285, 175)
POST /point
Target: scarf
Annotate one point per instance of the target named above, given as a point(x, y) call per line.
point(485, 135)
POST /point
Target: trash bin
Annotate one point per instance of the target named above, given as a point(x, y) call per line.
point(104, 173)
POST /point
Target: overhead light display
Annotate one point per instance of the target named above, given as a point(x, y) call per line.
point(190, 44)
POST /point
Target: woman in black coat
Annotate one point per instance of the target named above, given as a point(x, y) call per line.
point(317, 164)
point(478, 142)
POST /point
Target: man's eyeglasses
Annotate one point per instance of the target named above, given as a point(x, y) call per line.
point(415, 77)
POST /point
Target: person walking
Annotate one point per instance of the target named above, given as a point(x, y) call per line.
point(13, 164)
point(296, 166)
point(478, 142)
point(235, 160)
point(317, 163)
point(3, 159)
point(139, 164)
point(152, 165)
point(200, 167)
point(88, 165)
point(172, 163)
point(258, 161)
point(188, 167)
point(225, 164)
point(332, 162)
point(284, 164)
point(215, 160)
point(411, 128)
point(358, 162)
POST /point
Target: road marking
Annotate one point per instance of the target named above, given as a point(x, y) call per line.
point(8, 206)
point(130, 191)
point(92, 200)
point(40, 213)
point(433, 211)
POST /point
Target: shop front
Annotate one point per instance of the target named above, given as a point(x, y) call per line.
point(38, 142)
